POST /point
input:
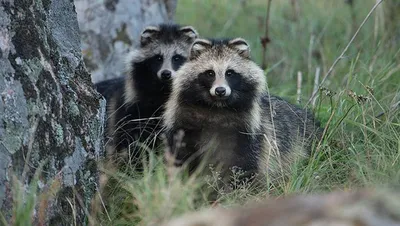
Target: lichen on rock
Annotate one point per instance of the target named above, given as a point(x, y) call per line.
point(49, 111)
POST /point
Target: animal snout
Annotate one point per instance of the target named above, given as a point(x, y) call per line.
point(220, 91)
point(166, 74)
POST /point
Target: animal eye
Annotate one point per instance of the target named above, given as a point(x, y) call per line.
point(210, 73)
point(229, 73)
point(159, 58)
point(176, 58)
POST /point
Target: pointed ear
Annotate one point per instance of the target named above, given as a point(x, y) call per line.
point(190, 32)
point(241, 46)
point(198, 47)
point(148, 34)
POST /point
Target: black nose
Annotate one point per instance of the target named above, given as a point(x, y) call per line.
point(220, 91)
point(166, 74)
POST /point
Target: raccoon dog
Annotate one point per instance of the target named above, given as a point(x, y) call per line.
point(134, 103)
point(219, 100)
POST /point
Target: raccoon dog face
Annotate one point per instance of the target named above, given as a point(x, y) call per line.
point(163, 50)
point(220, 74)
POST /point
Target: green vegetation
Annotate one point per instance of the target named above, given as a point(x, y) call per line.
point(359, 149)
point(359, 104)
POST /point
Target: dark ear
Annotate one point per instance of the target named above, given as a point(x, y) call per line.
point(198, 47)
point(241, 46)
point(148, 34)
point(190, 32)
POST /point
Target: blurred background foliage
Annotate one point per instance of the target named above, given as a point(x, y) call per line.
point(305, 35)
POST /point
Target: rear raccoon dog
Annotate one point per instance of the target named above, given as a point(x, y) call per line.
point(219, 100)
point(135, 102)
point(107, 87)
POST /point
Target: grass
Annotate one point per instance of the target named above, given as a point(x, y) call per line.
point(359, 149)
point(361, 146)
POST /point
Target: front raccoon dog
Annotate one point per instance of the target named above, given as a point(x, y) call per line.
point(135, 102)
point(219, 101)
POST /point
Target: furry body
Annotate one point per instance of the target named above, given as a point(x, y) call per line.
point(135, 103)
point(220, 102)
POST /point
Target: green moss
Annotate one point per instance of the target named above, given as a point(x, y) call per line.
point(12, 142)
point(58, 133)
point(73, 109)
